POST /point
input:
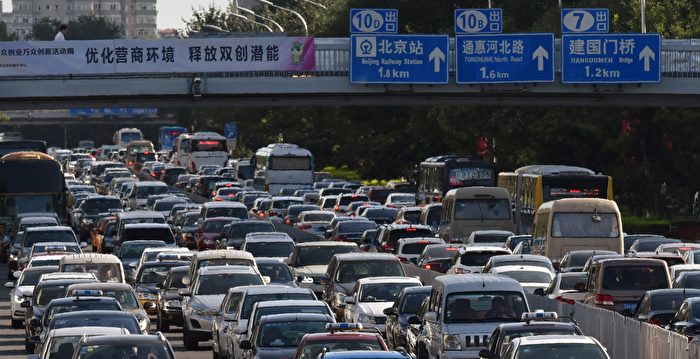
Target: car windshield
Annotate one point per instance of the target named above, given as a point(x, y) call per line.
point(411, 302)
point(355, 226)
point(60, 347)
point(48, 236)
point(251, 299)
point(175, 281)
point(477, 258)
point(236, 212)
point(313, 349)
point(239, 230)
point(320, 255)
point(481, 307)
point(126, 351)
point(523, 262)
point(635, 278)
point(579, 259)
point(491, 238)
point(482, 209)
point(533, 330)
point(671, 301)
point(127, 137)
point(287, 334)
point(351, 271)
point(154, 274)
point(382, 292)
point(585, 225)
point(129, 250)
point(30, 277)
point(214, 226)
point(126, 298)
point(270, 249)
point(560, 350)
point(147, 191)
point(100, 205)
point(651, 245)
point(312, 309)
point(214, 284)
point(105, 272)
point(278, 272)
point(525, 276)
point(412, 216)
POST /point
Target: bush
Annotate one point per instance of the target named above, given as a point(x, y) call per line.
point(343, 173)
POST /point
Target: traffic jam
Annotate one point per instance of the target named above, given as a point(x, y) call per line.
point(115, 251)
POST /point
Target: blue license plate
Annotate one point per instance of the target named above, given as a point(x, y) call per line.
point(630, 306)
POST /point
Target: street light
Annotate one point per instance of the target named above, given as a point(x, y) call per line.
point(303, 22)
point(321, 5)
point(252, 21)
point(643, 9)
point(249, 11)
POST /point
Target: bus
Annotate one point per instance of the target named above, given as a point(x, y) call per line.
point(465, 210)
point(283, 165)
point(7, 147)
point(437, 175)
point(31, 182)
point(531, 186)
point(205, 148)
point(167, 135)
point(125, 135)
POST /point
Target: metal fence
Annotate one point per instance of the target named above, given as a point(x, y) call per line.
point(623, 337)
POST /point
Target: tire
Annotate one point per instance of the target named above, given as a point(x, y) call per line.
point(163, 325)
point(188, 340)
point(17, 324)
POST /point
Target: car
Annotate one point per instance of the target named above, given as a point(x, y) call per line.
point(47, 248)
point(659, 306)
point(563, 287)
point(352, 208)
point(270, 245)
point(472, 259)
point(210, 230)
point(671, 259)
point(400, 200)
point(32, 235)
point(679, 248)
point(226, 194)
point(294, 210)
point(594, 260)
point(170, 300)
point(409, 249)
point(28, 278)
point(146, 279)
point(61, 343)
point(130, 253)
point(217, 257)
point(406, 305)
point(408, 215)
point(515, 240)
point(145, 231)
point(343, 338)
point(390, 234)
point(438, 257)
point(125, 295)
point(574, 261)
point(123, 346)
point(343, 201)
point(535, 323)
point(103, 233)
point(277, 271)
point(278, 335)
point(379, 215)
point(172, 174)
point(350, 230)
point(309, 262)
point(692, 256)
point(280, 204)
point(530, 277)
point(491, 237)
point(166, 204)
point(677, 269)
point(686, 321)
point(363, 354)
point(45, 260)
point(313, 221)
point(371, 296)
point(344, 270)
point(449, 319)
point(518, 259)
point(555, 346)
point(235, 233)
point(649, 244)
point(204, 296)
point(168, 253)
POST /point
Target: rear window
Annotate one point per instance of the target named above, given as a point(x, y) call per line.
point(239, 230)
point(490, 238)
point(379, 195)
point(283, 204)
point(476, 258)
point(214, 226)
point(667, 301)
point(569, 282)
point(318, 217)
point(635, 278)
point(250, 300)
point(49, 236)
point(238, 212)
point(344, 201)
point(355, 226)
point(161, 234)
point(414, 248)
point(397, 234)
point(482, 209)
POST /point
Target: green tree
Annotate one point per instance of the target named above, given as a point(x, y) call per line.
point(4, 35)
point(93, 28)
point(44, 30)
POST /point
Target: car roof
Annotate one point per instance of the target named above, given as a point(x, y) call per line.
point(232, 269)
point(90, 258)
point(146, 226)
point(691, 292)
point(73, 331)
point(274, 237)
point(460, 282)
point(49, 229)
point(64, 275)
point(432, 240)
point(124, 339)
point(223, 253)
point(527, 257)
point(631, 261)
point(48, 244)
point(263, 289)
point(326, 244)
point(479, 248)
point(291, 317)
point(365, 256)
point(491, 231)
point(397, 279)
point(291, 303)
point(34, 220)
point(361, 354)
point(102, 286)
point(513, 327)
point(512, 268)
point(83, 298)
point(269, 260)
point(208, 205)
point(139, 214)
point(554, 339)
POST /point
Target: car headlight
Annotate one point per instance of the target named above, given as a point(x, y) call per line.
point(146, 296)
point(173, 303)
point(451, 342)
point(364, 318)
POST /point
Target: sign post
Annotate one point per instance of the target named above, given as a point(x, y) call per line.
point(231, 134)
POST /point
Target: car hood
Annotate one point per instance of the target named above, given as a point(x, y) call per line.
point(209, 301)
point(311, 271)
point(24, 289)
point(375, 309)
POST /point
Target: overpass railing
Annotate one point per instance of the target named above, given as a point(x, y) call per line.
point(623, 337)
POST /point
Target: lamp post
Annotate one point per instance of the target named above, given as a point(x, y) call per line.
point(321, 5)
point(303, 21)
point(252, 21)
point(249, 11)
point(643, 9)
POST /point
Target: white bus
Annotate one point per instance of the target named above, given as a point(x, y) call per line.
point(206, 148)
point(283, 165)
point(125, 135)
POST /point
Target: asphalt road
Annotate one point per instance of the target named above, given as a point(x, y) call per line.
point(12, 340)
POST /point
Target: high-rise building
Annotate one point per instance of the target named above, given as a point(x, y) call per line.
point(137, 18)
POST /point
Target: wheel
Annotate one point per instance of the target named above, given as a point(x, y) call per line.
point(189, 340)
point(163, 325)
point(17, 324)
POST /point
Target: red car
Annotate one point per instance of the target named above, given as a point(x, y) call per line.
point(209, 230)
point(340, 337)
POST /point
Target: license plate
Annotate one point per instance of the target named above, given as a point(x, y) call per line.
point(630, 306)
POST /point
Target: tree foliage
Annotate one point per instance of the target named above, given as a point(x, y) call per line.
point(45, 29)
point(93, 28)
point(4, 35)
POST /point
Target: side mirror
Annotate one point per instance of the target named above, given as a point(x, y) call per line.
point(580, 287)
point(556, 265)
point(414, 320)
point(390, 311)
point(349, 300)
point(25, 304)
point(10, 285)
point(485, 353)
point(245, 345)
point(184, 292)
point(539, 291)
point(266, 279)
point(430, 317)
point(186, 280)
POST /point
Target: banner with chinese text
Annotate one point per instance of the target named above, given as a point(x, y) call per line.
point(32, 58)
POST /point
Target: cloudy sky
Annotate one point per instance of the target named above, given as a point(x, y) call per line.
point(171, 12)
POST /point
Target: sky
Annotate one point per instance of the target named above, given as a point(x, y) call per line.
point(171, 12)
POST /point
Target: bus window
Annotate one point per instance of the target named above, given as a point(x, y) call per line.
point(290, 163)
point(585, 225)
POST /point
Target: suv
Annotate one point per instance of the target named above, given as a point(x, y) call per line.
point(309, 261)
point(345, 269)
point(390, 234)
point(450, 330)
point(138, 196)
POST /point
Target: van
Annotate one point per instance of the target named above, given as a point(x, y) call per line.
point(138, 196)
point(618, 284)
point(106, 267)
point(463, 311)
point(468, 209)
point(218, 257)
point(572, 224)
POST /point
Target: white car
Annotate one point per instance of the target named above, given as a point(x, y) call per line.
point(676, 270)
point(371, 296)
point(530, 277)
point(562, 287)
point(555, 346)
point(25, 284)
point(400, 200)
point(496, 238)
point(472, 259)
point(60, 343)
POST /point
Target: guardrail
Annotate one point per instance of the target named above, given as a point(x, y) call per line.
point(623, 337)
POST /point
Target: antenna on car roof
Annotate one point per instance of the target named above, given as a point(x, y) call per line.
point(483, 283)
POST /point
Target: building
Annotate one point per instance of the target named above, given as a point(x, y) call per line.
point(136, 17)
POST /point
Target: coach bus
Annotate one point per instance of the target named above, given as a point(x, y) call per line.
point(531, 186)
point(7, 147)
point(31, 182)
point(167, 135)
point(437, 175)
point(123, 136)
point(283, 165)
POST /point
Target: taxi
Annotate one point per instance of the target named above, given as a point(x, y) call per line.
point(339, 337)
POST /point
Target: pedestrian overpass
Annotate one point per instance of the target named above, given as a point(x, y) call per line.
point(328, 85)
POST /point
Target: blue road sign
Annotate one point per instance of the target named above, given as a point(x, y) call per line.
point(478, 21)
point(113, 111)
point(507, 58)
point(400, 59)
point(231, 130)
point(585, 21)
point(376, 21)
point(611, 58)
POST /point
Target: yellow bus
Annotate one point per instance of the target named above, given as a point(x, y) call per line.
point(531, 186)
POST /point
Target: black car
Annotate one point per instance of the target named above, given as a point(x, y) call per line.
point(438, 257)
point(687, 320)
point(381, 215)
point(233, 234)
point(649, 244)
point(170, 174)
point(149, 275)
point(169, 300)
point(573, 261)
point(659, 306)
point(351, 231)
point(407, 303)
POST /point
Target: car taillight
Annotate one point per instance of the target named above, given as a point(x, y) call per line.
point(213, 193)
point(288, 221)
point(565, 300)
point(304, 226)
point(154, 175)
point(428, 267)
point(217, 199)
point(130, 163)
point(261, 214)
point(272, 213)
point(604, 299)
point(390, 206)
point(341, 238)
point(403, 260)
point(337, 208)
point(388, 247)
point(654, 321)
point(267, 188)
point(410, 229)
